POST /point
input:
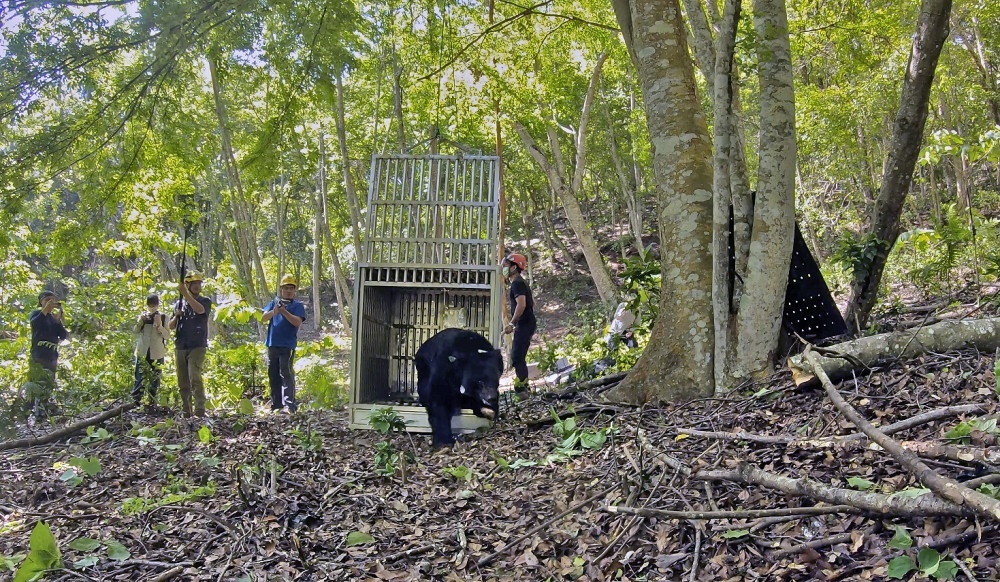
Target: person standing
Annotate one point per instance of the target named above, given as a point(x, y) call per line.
point(522, 317)
point(47, 331)
point(190, 325)
point(150, 349)
point(283, 315)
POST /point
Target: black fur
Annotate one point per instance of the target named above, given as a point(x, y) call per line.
point(453, 360)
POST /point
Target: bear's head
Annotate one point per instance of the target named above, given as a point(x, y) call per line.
point(481, 372)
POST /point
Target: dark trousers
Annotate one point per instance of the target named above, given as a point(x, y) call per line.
point(147, 378)
point(281, 377)
point(519, 350)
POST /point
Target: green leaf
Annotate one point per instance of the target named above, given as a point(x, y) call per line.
point(593, 439)
point(91, 466)
point(246, 407)
point(84, 544)
point(204, 435)
point(928, 560)
point(900, 567)
point(11, 562)
point(461, 472)
point(43, 554)
point(357, 538)
point(71, 477)
point(116, 551)
point(901, 540)
point(85, 562)
point(860, 483)
point(735, 534)
point(947, 570)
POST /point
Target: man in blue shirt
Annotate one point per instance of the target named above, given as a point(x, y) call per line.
point(283, 315)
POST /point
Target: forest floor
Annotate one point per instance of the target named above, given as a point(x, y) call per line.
point(151, 496)
point(298, 497)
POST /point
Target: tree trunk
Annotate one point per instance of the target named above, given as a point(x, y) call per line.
point(351, 191)
point(724, 302)
point(568, 193)
point(244, 229)
point(340, 286)
point(632, 207)
point(907, 133)
point(763, 298)
point(317, 257)
point(678, 362)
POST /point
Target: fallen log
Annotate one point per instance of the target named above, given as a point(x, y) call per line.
point(949, 335)
point(946, 487)
point(66, 430)
point(877, 503)
point(927, 450)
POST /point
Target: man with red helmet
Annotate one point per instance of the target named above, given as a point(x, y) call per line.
point(522, 319)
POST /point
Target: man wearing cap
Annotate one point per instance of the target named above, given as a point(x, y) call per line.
point(522, 317)
point(283, 315)
point(47, 330)
point(190, 325)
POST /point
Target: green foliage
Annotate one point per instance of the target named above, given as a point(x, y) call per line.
point(388, 459)
point(641, 288)
point(205, 435)
point(856, 252)
point(901, 540)
point(176, 491)
point(735, 534)
point(307, 439)
point(860, 483)
point(574, 441)
point(460, 472)
point(96, 434)
point(963, 430)
point(358, 538)
point(43, 554)
point(386, 421)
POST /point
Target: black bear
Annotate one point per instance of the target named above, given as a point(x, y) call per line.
point(457, 369)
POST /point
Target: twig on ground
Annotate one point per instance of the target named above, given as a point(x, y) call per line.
point(946, 487)
point(735, 514)
point(410, 552)
point(663, 458)
point(229, 527)
point(168, 574)
point(814, 544)
point(697, 553)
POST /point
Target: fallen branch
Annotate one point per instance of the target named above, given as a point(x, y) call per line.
point(927, 450)
point(908, 423)
point(735, 514)
point(946, 487)
point(228, 526)
point(950, 335)
point(583, 410)
point(411, 552)
point(168, 574)
point(812, 545)
point(486, 560)
point(673, 463)
point(737, 436)
point(66, 430)
point(866, 501)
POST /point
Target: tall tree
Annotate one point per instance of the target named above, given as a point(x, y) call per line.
point(907, 136)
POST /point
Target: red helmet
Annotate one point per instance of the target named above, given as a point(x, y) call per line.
point(520, 260)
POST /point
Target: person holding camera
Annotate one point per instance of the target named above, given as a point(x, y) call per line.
point(283, 315)
point(190, 325)
point(47, 331)
point(150, 349)
point(522, 317)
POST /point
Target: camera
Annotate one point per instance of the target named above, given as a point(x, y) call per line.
point(284, 302)
point(150, 317)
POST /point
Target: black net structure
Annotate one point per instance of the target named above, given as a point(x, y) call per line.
point(810, 311)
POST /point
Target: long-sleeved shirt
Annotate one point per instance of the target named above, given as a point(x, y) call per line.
point(46, 333)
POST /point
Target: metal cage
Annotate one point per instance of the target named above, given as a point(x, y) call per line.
point(430, 262)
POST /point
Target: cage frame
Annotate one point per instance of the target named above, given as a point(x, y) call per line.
point(461, 267)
